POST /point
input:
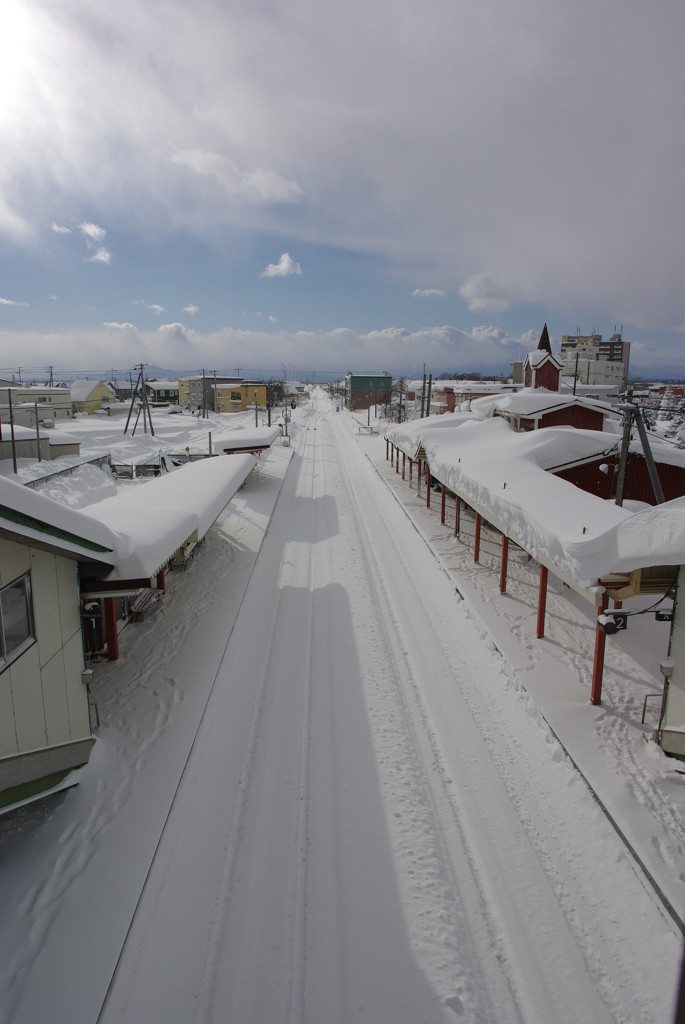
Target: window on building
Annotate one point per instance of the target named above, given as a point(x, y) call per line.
point(236, 396)
point(16, 619)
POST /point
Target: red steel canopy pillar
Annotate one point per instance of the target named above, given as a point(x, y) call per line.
point(542, 602)
point(428, 487)
point(161, 581)
point(404, 463)
point(397, 460)
point(392, 454)
point(418, 478)
point(457, 513)
point(111, 628)
point(442, 505)
point(476, 549)
point(598, 665)
point(503, 567)
point(387, 443)
point(411, 469)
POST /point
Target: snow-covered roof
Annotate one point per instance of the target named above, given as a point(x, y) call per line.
point(409, 437)
point(508, 477)
point(535, 402)
point(244, 438)
point(47, 523)
point(81, 390)
point(151, 521)
point(539, 355)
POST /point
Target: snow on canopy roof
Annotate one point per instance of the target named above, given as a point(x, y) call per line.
point(244, 437)
point(505, 475)
point(151, 521)
point(409, 437)
point(36, 518)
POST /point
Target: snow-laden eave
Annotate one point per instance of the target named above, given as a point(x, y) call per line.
point(32, 518)
point(246, 440)
point(505, 477)
point(154, 520)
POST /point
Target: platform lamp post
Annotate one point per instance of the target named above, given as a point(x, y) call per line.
point(256, 421)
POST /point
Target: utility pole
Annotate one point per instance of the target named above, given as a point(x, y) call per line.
point(140, 385)
point(430, 388)
point(631, 411)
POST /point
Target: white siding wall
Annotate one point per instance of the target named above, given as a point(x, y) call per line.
point(675, 703)
point(43, 700)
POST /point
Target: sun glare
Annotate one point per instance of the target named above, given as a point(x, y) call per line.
point(15, 35)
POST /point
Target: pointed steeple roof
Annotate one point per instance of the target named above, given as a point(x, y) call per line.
point(544, 341)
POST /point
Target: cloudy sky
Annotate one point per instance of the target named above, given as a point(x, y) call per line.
point(379, 184)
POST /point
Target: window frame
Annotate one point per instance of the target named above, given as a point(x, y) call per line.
point(7, 659)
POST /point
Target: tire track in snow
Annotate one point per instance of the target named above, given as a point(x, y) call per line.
point(127, 984)
point(477, 867)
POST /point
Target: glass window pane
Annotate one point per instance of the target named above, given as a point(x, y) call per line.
point(16, 615)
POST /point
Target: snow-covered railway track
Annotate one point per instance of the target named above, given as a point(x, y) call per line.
point(237, 913)
point(494, 891)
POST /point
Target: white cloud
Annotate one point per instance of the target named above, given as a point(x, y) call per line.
point(291, 121)
point(259, 185)
point(482, 295)
point(484, 349)
point(93, 232)
point(11, 302)
point(152, 306)
point(60, 229)
point(428, 293)
point(101, 255)
point(191, 309)
point(285, 266)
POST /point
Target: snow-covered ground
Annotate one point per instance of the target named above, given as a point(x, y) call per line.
point(332, 781)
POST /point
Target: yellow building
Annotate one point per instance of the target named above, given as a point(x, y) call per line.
point(239, 397)
point(183, 392)
point(90, 395)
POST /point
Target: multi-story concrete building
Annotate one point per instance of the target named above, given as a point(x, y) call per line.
point(595, 361)
point(197, 392)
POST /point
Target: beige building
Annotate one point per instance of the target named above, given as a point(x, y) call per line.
point(45, 727)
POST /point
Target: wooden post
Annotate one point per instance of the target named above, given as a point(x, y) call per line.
point(503, 567)
point(442, 505)
point(161, 581)
point(598, 665)
point(111, 629)
point(428, 487)
point(476, 549)
point(542, 602)
point(457, 513)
